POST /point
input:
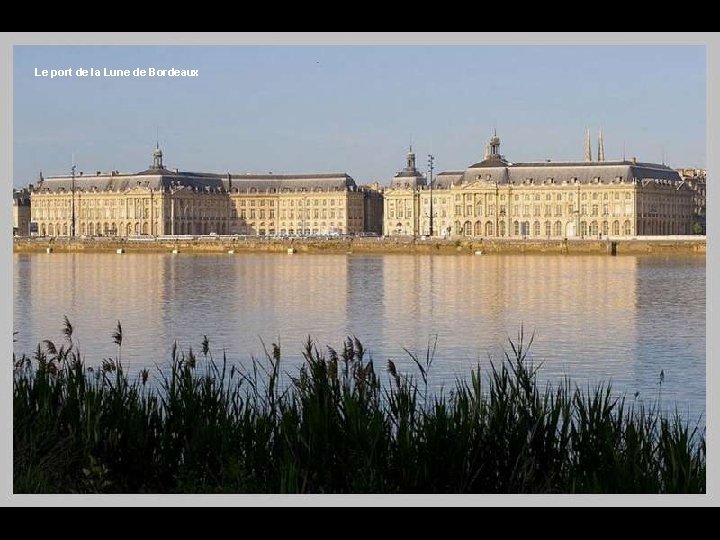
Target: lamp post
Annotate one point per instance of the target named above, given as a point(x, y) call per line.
point(577, 219)
point(431, 162)
point(72, 217)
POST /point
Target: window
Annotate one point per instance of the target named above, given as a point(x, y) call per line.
point(606, 209)
point(469, 210)
point(605, 228)
point(627, 228)
point(558, 228)
point(583, 210)
point(616, 228)
point(536, 228)
point(594, 209)
point(559, 196)
point(558, 209)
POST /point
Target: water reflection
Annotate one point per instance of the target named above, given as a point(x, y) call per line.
point(594, 318)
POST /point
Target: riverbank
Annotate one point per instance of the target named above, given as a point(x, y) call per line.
point(479, 246)
point(339, 425)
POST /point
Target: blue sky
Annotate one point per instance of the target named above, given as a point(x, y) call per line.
point(355, 108)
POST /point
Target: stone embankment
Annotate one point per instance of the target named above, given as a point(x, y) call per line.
point(475, 246)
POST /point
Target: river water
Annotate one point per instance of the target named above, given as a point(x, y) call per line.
point(594, 318)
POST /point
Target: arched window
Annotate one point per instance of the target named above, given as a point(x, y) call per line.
point(536, 228)
point(593, 228)
point(548, 228)
point(489, 228)
point(583, 228)
point(616, 228)
point(51, 230)
point(558, 228)
point(501, 229)
point(516, 228)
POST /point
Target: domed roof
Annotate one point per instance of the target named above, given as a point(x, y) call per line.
point(409, 177)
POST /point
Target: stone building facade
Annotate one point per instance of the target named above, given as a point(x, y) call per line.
point(497, 198)
point(21, 212)
point(696, 179)
point(159, 202)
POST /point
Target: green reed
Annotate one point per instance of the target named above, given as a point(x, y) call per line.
point(335, 425)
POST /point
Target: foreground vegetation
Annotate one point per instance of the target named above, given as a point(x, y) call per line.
point(334, 426)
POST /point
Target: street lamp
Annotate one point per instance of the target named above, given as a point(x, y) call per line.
point(72, 189)
point(431, 162)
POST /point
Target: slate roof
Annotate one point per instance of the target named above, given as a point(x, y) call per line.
point(165, 179)
point(559, 172)
point(289, 182)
